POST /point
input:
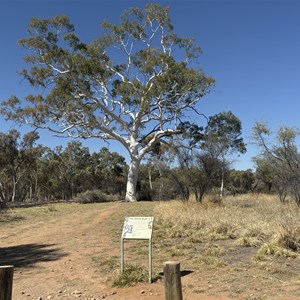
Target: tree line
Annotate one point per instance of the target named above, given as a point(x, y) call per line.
point(30, 172)
point(195, 164)
point(137, 83)
point(190, 167)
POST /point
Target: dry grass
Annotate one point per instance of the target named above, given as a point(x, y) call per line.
point(249, 241)
point(246, 246)
point(249, 220)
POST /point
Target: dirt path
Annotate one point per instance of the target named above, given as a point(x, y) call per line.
point(60, 252)
point(53, 259)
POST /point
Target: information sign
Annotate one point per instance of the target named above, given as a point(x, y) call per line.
point(137, 228)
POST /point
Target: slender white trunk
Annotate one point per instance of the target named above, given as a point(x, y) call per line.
point(222, 184)
point(150, 178)
point(133, 174)
point(222, 189)
point(13, 196)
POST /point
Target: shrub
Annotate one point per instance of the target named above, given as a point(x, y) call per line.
point(3, 207)
point(94, 196)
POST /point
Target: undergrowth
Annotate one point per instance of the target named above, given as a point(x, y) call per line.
point(131, 276)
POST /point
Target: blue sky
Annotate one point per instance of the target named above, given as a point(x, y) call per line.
point(251, 48)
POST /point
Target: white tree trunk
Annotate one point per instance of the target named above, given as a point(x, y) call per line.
point(150, 179)
point(13, 196)
point(222, 189)
point(133, 174)
point(222, 184)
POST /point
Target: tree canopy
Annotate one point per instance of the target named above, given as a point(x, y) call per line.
point(279, 162)
point(136, 83)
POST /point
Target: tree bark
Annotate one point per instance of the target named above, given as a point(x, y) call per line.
point(13, 196)
point(133, 174)
point(6, 282)
point(222, 184)
point(172, 281)
point(150, 178)
point(222, 188)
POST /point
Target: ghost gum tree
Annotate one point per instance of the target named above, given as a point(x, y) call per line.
point(134, 84)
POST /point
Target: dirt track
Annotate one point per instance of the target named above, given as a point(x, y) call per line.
point(53, 250)
point(52, 258)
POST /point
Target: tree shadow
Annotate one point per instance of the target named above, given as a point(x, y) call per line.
point(29, 254)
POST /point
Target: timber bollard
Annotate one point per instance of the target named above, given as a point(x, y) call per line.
point(6, 282)
point(172, 280)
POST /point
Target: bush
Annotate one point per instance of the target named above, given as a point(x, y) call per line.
point(3, 207)
point(94, 196)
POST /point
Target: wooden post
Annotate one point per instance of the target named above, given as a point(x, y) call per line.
point(6, 282)
point(172, 279)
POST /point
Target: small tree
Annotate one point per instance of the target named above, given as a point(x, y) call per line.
point(133, 82)
point(264, 173)
point(241, 181)
point(110, 170)
point(222, 138)
point(282, 157)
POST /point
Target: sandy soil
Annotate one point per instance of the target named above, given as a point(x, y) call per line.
point(52, 259)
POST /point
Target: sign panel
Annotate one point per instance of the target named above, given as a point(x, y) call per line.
point(138, 228)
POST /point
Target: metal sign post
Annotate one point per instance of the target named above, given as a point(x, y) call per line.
point(138, 228)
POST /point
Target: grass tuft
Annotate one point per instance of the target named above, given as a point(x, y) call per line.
point(274, 250)
point(289, 237)
point(131, 276)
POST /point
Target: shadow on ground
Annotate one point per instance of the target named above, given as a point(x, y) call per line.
point(182, 273)
point(185, 273)
point(29, 254)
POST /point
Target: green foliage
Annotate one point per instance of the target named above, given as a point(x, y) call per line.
point(110, 171)
point(241, 181)
point(36, 173)
point(3, 207)
point(94, 196)
point(223, 135)
point(279, 162)
point(18, 165)
point(203, 157)
point(138, 79)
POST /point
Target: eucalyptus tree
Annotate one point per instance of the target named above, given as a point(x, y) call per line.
point(133, 84)
point(109, 169)
point(264, 172)
point(222, 139)
point(204, 153)
point(241, 181)
point(74, 160)
point(18, 165)
point(282, 157)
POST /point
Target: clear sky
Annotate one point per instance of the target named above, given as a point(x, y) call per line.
point(251, 48)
